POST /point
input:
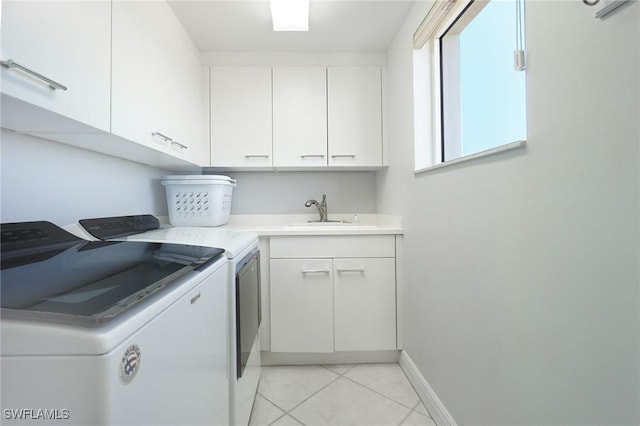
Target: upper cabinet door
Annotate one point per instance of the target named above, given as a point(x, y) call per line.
point(300, 117)
point(157, 81)
point(187, 87)
point(41, 49)
point(355, 116)
point(241, 114)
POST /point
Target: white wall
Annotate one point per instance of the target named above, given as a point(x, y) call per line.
point(286, 192)
point(522, 276)
point(298, 59)
point(44, 180)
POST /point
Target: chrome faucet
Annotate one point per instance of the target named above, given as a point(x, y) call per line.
point(322, 207)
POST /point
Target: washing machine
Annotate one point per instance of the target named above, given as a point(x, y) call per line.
point(111, 333)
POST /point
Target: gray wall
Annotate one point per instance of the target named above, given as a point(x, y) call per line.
point(44, 180)
point(522, 280)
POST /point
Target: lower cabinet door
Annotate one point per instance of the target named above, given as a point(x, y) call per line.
point(301, 305)
point(365, 304)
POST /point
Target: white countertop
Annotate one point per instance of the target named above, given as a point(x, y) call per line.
point(298, 224)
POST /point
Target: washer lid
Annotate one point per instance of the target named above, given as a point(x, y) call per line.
point(89, 283)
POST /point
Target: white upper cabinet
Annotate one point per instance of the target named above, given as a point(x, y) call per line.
point(241, 117)
point(299, 117)
point(296, 118)
point(355, 116)
point(47, 43)
point(157, 81)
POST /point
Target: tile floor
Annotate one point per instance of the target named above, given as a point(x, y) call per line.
point(337, 395)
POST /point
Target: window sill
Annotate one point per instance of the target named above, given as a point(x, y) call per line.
point(481, 154)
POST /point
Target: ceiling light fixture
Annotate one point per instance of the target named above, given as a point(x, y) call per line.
point(290, 15)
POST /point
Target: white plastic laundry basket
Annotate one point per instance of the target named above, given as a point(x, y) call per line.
point(199, 200)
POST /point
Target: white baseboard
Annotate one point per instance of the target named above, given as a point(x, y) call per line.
point(288, 358)
point(434, 406)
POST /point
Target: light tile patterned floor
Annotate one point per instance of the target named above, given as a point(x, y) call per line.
point(337, 395)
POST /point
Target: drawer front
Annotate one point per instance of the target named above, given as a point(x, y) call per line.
point(284, 247)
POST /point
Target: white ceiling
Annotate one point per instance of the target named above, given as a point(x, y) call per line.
point(334, 25)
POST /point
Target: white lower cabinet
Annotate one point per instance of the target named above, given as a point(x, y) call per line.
point(364, 304)
point(330, 303)
point(301, 305)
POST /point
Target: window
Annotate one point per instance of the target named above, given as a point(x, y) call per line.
point(477, 93)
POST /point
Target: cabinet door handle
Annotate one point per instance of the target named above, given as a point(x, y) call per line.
point(315, 271)
point(9, 63)
point(361, 270)
point(344, 156)
point(256, 156)
point(312, 156)
point(166, 138)
point(181, 146)
point(163, 137)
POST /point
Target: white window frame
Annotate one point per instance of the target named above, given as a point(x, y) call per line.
point(427, 84)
